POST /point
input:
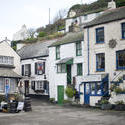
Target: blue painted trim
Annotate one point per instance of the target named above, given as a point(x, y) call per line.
point(88, 48)
point(118, 67)
point(98, 36)
point(123, 30)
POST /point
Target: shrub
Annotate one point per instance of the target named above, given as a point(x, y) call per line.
point(118, 90)
point(70, 92)
point(42, 34)
point(2, 98)
point(104, 101)
point(119, 102)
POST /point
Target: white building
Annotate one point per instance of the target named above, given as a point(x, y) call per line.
point(104, 53)
point(22, 34)
point(34, 65)
point(65, 64)
point(9, 69)
point(85, 17)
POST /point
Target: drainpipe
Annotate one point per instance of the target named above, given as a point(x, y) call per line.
point(88, 47)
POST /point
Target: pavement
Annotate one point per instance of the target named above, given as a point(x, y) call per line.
point(44, 113)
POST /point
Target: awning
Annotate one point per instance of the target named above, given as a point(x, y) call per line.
point(66, 61)
point(8, 73)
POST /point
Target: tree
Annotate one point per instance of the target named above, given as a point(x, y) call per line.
point(32, 32)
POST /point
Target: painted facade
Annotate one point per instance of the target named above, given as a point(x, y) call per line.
point(9, 69)
point(104, 50)
point(34, 68)
point(67, 58)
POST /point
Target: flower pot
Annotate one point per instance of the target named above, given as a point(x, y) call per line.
point(120, 107)
point(106, 106)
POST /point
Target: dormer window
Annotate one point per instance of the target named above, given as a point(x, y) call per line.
point(6, 60)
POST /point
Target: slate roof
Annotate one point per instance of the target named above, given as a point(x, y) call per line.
point(8, 73)
point(108, 16)
point(39, 49)
point(69, 38)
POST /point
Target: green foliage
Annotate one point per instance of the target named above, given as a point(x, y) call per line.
point(104, 101)
point(70, 92)
point(118, 90)
point(31, 40)
point(2, 98)
point(113, 87)
point(66, 101)
point(42, 34)
point(120, 102)
point(120, 3)
point(52, 99)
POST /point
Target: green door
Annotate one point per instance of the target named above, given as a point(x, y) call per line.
point(60, 94)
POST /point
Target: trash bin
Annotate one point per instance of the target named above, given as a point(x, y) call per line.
point(27, 104)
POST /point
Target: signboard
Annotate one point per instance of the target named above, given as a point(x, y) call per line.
point(91, 78)
point(20, 106)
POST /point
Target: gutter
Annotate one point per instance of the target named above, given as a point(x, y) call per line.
point(88, 48)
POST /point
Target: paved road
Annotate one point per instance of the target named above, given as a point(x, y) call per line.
point(46, 114)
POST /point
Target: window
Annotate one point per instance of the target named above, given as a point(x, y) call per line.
point(40, 68)
point(120, 59)
point(39, 85)
point(100, 62)
point(2, 85)
point(58, 52)
point(12, 85)
point(85, 17)
point(79, 69)
point(96, 88)
point(100, 35)
point(78, 49)
point(6, 60)
point(123, 30)
point(61, 68)
point(27, 69)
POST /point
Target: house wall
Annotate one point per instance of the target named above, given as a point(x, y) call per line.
point(55, 79)
point(112, 30)
point(35, 77)
point(6, 50)
point(81, 19)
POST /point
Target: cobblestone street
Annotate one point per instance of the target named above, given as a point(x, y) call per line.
point(46, 114)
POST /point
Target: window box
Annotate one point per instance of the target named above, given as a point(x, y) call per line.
point(100, 35)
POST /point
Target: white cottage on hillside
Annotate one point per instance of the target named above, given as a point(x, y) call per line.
point(34, 67)
point(65, 64)
point(84, 18)
point(104, 53)
point(9, 69)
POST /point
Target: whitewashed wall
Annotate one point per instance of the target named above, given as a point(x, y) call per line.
point(6, 50)
point(111, 31)
point(66, 50)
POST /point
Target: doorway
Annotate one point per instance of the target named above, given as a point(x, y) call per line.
point(69, 77)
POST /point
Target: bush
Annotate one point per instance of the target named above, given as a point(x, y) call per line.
point(118, 90)
point(70, 92)
point(104, 101)
point(2, 98)
point(42, 34)
point(119, 102)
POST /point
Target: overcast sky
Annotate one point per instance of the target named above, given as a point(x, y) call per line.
point(33, 13)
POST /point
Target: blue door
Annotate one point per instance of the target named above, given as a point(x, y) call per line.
point(86, 93)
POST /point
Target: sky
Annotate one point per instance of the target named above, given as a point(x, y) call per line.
point(32, 13)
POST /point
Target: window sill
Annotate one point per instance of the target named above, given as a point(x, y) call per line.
point(122, 39)
point(99, 43)
point(100, 70)
point(120, 69)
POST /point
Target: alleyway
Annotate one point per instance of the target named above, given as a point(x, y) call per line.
point(46, 114)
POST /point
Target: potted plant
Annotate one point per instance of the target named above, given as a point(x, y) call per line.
point(70, 92)
point(105, 105)
point(120, 105)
